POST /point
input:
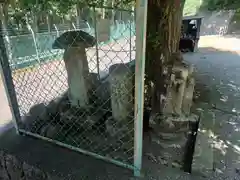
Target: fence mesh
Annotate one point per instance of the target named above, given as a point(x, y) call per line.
point(79, 89)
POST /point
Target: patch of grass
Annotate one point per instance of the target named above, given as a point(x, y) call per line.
point(191, 7)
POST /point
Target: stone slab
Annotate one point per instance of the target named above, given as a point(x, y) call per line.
point(203, 159)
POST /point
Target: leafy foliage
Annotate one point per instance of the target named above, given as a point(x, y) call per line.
point(220, 4)
point(191, 7)
point(19, 9)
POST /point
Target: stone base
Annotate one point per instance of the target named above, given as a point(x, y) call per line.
point(121, 131)
point(174, 124)
point(41, 115)
point(170, 138)
point(59, 121)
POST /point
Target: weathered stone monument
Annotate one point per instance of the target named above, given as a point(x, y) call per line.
point(75, 43)
point(177, 120)
point(180, 93)
point(120, 78)
point(120, 81)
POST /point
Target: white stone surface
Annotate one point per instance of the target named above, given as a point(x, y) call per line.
point(77, 70)
point(121, 86)
point(175, 94)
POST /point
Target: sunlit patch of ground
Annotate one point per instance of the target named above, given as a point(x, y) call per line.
point(223, 43)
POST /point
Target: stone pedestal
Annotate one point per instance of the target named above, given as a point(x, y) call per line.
point(121, 86)
point(77, 70)
point(171, 137)
point(203, 159)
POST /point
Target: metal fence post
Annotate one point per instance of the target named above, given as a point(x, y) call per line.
point(130, 43)
point(8, 82)
point(34, 41)
point(56, 29)
point(96, 36)
point(141, 22)
point(74, 27)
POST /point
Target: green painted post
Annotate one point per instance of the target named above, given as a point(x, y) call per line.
point(7, 79)
point(141, 22)
point(96, 36)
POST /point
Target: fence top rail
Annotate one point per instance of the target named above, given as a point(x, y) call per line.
point(47, 33)
point(111, 8)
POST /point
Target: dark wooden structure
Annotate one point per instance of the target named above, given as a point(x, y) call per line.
point(190, 33)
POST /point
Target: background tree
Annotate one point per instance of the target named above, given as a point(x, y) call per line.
point(224, 5)
point(213, 5)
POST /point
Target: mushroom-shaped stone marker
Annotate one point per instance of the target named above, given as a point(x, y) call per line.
point(75, 43)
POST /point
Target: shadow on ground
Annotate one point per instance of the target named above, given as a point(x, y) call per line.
point(67, 164)
point(218, 88)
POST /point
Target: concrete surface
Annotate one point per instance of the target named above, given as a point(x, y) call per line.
point(218, 68)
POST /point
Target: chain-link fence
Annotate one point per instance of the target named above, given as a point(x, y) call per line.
point(83, 97)
point(30, 47)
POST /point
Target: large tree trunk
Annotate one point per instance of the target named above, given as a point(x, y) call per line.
point(157, 47)
point(163, 33)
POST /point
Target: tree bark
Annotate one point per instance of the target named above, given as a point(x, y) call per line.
point(157, 47)
point(163, 34)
